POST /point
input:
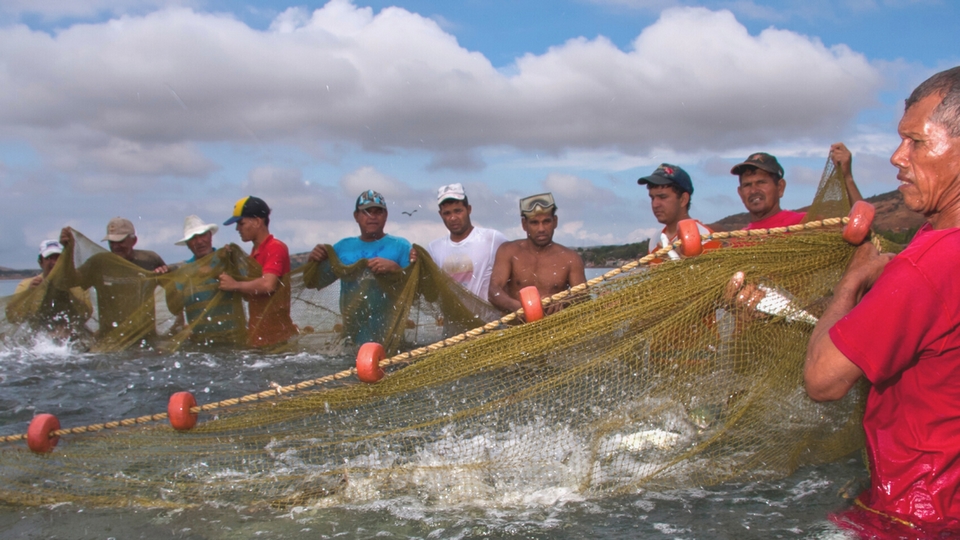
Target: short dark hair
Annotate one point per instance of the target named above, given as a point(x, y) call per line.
point(676, 189)
point(464, 200)
point(947, 113)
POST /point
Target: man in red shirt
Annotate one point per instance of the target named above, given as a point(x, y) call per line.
point(762, 186)
point(268, 297)
point(894, 320)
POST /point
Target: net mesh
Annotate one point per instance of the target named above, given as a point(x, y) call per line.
point(651, 379)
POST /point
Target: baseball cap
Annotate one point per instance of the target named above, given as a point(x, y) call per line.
point(50, 247)
point(193, 226)
point(762, 161)
point(248, 207)
point(118, 230)
point(370, 199)
point(451, 191)
point(667, 174)
point(537, 203)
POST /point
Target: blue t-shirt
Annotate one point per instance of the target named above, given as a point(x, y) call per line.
point(366, 320)
point(351, 250)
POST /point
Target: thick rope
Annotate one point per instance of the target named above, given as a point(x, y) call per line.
point(470, 334)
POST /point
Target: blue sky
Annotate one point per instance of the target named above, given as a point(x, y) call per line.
point(155, 110)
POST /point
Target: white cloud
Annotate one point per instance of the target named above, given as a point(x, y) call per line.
point(397, 80)
point(172, 112)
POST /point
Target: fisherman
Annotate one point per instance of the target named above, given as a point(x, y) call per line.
point(762, 186)
point(125, 293)
point(535, 260)
point(58, 312)
point(195, 286)
point(268, 296)
point(121, 237)
point(468, 252)
point(894, 321)
point(384, 254)
point(670, 190)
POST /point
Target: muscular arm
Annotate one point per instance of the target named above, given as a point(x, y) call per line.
point(828, 375)
point(502, 269)
point(577, 273)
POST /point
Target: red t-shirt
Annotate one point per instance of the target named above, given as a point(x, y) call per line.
point(270, 315)
point(783, 218)
point(904, 337)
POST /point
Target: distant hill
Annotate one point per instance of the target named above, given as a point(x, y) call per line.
point(892, 216)
point(10, 273)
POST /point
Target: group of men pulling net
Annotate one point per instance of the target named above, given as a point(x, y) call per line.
point(185, 307)
point(652, 378)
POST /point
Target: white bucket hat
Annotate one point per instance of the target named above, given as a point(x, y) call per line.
point(193, 226)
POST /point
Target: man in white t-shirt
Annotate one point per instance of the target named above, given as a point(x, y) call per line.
point(468, 252)
point(670, 189)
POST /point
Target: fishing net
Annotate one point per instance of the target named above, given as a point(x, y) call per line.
point(331, 306)
point(647, 379)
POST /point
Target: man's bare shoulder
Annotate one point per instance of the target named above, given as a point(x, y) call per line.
point(512, 247)
point(567, 253)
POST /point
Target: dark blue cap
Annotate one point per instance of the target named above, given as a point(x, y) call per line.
point(669, 174)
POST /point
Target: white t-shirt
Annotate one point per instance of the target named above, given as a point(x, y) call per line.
point(470, 261)
point(672, 254)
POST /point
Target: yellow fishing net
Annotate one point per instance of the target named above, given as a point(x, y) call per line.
point(332, 306)
point(652, 379)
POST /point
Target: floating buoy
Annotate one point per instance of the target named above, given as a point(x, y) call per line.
point(532, 306)
point(38, 434)
point(861, 218)
point(691, 244)
point(368, 362)
point(178, 411)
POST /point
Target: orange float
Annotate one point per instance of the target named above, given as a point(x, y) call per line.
point(368, 362)
point(178, 411)
point(861, 218)
point(38, 434)
point(691, 244)
point(532, 306)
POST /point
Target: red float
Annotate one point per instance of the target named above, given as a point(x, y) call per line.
point(861, 218)
point(691, 244)
point(178, 411)
point(532, 306)
point(38, 434)
point(368, 362)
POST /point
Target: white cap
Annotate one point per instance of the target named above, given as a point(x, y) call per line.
point(193, 226)
point(50, 247)
point(452, 191)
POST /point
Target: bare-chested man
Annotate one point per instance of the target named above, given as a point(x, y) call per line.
point(535, 260)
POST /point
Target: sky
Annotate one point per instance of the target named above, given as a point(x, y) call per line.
point(157, 109)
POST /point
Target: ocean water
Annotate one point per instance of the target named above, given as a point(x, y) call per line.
point(7, 286)
point(82, 388)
